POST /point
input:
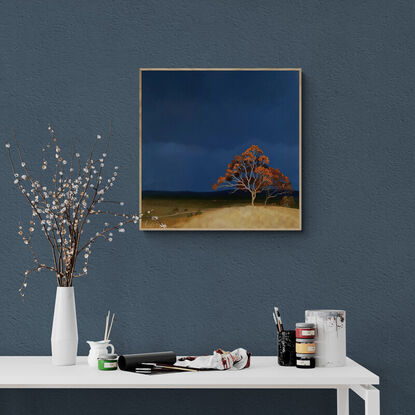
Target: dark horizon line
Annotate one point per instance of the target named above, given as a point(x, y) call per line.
point(199, 191)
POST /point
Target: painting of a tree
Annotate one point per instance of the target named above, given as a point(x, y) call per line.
point(221, 148)
point(248, 172)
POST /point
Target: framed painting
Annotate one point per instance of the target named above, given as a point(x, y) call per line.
point(220, 149)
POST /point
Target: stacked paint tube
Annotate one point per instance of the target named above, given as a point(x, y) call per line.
point(305, 347)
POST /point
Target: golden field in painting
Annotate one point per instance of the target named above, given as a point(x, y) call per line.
point(245, 217)
point(226, 213)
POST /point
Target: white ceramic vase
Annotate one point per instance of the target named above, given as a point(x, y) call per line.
point(64, 339)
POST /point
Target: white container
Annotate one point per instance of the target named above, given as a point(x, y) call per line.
point(64, 339)
point(97, 349)
point(330, 336)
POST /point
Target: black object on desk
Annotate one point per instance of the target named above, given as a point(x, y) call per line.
point(130, 362)
point(286, 348)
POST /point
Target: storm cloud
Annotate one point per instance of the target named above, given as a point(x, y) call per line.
point(194, 122)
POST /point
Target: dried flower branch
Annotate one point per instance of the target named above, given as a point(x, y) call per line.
point(63, 210)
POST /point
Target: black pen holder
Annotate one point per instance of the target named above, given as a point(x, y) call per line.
point(286, 348)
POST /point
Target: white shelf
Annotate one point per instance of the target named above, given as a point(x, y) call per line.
point(264, 373)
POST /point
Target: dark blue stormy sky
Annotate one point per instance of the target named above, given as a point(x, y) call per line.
point(194, 122)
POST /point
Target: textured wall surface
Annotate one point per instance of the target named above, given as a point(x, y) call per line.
point(75, 64)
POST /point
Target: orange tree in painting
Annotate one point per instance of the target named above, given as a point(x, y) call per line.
point(248, 172)
point(280, 185)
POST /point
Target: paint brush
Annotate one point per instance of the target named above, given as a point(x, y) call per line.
point(277, 312)
point(277, 323)
point(109, 331)
point(106, 325)
point(156, 366)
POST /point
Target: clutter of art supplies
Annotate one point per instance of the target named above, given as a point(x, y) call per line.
point(102, 356)
point(319, 341)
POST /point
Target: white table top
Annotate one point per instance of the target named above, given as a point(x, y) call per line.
point(264, 373)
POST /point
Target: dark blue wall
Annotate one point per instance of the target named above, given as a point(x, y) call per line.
point(75, 64)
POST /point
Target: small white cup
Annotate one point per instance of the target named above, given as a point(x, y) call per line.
point(98, 348)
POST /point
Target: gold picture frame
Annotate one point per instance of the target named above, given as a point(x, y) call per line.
point(154, 225)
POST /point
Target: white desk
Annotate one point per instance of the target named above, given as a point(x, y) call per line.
point(38, 372)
